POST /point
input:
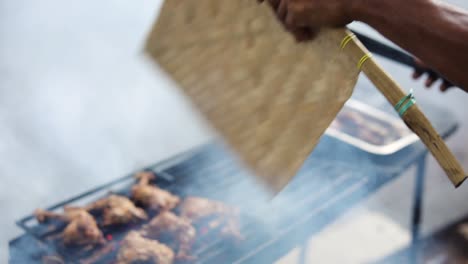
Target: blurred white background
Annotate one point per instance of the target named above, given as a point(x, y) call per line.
point(80, 105)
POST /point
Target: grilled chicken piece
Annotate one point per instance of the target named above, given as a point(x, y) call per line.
point(82, 229)
point(216, 215)
point(137, 249)
point(118, 210)
point(151, 196)
point(178, 231)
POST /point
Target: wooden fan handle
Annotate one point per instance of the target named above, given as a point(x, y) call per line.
point(414, 117)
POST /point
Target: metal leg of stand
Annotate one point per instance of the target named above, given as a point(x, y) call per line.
point(417, 208)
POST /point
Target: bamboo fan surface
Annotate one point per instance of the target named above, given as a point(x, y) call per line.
point(269, 97)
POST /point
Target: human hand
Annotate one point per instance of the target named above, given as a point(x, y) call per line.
point(304, 18)
point(432, 77)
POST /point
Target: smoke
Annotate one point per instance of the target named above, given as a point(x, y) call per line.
point(79, 104)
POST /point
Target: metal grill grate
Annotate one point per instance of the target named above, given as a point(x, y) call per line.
point(212, 173)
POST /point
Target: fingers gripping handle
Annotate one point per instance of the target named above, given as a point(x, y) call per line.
point(413, 117)
point(396, 55)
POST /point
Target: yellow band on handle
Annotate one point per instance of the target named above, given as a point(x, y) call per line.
point(349, 37)
point(346, 40)
point(363, 60)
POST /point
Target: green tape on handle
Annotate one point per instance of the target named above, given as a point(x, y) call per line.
point(405, 103)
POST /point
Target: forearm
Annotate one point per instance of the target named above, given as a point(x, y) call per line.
point(434, 32)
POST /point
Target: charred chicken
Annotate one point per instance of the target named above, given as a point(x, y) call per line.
point(215, 215)
point(151, 196)
point(138, 249)
point(118, 210)
point(176, 231)
point(82, 229)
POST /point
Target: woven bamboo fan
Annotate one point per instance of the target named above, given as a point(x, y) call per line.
point(269, 97)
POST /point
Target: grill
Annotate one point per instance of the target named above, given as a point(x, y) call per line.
point(222, 175)
point(322, 190)
point(333, 179)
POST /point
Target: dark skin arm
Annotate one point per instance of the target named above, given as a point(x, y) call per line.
point(435, 32)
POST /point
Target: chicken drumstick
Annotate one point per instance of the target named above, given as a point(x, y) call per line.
point(82, 229)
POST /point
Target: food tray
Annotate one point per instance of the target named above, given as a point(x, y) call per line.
point(359, 125)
